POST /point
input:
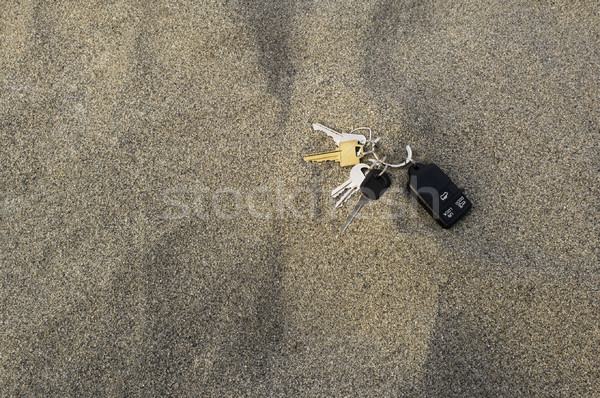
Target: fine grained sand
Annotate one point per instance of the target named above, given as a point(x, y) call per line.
point(161, 234)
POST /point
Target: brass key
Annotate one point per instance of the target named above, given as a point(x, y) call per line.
point(348, 154)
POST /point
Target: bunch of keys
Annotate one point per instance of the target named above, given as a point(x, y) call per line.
point(433, 189)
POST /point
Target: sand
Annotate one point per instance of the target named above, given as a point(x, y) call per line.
point(162, 236)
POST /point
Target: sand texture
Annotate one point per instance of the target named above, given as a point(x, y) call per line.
point(162, 236)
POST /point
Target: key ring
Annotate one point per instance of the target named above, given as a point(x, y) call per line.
point(373, 142)
point(406, 162)
point(386, 165)
point(378, 162)
point(370, 140)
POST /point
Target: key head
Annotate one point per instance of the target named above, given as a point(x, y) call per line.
point(350, 153)
point(375, 184)
point(436, 192)
point(357, 174)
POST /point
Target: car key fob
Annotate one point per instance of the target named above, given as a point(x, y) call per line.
point(436, 192)
point(375, 184)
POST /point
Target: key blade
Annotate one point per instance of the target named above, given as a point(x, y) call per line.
point(324, 156)
point(346, 196)
point(341, 188)
point(361, 203)
point(339, 137)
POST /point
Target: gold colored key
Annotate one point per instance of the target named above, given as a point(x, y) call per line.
point(348, 154)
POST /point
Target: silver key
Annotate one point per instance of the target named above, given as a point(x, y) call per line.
point(351, 185)
point(375, 184)
point(361, 203)
point(340, 137)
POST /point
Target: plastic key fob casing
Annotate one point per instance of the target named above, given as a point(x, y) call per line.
point(436, 192)
point(375, 184)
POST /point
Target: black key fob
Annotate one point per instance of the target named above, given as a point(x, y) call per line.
point(375, 184)
point(436, 192)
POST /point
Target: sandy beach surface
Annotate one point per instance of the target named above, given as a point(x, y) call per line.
point(161, 234)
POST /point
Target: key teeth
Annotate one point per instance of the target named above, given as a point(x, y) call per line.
point(330, 156)
point(340, 201)
point(337, 195)
point(354, 191)
point(336, 192)
point(346, 197)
